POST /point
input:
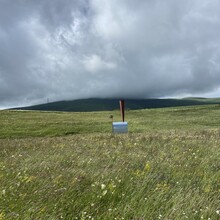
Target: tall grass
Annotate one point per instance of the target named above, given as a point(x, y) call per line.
point(15, 124)
point(169, 169)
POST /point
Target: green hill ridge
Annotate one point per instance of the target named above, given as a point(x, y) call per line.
point(93, 104)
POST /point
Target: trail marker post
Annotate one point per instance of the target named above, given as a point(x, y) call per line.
point(120, 127)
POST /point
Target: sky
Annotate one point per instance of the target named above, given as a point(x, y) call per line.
point(54, 50)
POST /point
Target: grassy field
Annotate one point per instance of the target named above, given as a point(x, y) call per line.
point(69, 166)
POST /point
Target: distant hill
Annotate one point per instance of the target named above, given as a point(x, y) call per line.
point(88, 105)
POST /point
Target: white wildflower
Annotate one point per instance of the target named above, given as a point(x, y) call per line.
point(104, 192)
point(103, 186)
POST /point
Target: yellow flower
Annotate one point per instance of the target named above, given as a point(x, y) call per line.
point(147, 167)
point(43, 209)
point(58, 179)
point(139, 173)
point(2, 216)
point(207, 189)
point(162, 187)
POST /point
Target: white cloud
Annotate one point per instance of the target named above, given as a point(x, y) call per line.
point(95, 64)
point(107, 48)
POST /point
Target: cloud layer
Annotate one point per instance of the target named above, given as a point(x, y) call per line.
point(107, 48)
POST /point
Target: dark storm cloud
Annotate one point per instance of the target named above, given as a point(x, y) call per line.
point(107, 48)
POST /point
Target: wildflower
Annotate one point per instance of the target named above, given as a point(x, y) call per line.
point(2, 215)
point(103, 186)
point(104, 192)
point(147, 167)
point(3, 192)
point(218, 212)
point(163, 187)
point(207, 189)
point(29, 179)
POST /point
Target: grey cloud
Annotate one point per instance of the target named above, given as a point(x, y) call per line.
point(107, 48)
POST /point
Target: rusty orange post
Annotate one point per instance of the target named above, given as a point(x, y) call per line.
point(122, 108)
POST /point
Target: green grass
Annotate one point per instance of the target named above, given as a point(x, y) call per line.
point(69, 165)
point(15, 124)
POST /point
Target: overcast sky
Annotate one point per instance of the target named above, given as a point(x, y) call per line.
point(71, 49)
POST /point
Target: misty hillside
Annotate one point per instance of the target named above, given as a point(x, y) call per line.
point(87, 105)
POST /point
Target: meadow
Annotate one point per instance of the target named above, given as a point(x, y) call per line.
point(59, 165)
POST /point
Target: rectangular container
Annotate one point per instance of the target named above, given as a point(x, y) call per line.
point(119, 127)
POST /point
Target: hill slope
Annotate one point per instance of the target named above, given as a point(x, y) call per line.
point(88, 105)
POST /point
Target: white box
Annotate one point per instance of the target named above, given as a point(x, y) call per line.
point(119, 127)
